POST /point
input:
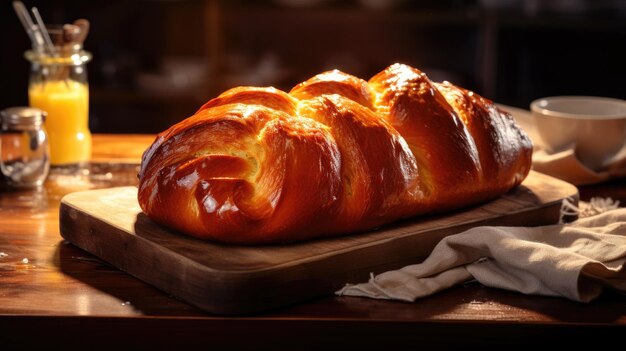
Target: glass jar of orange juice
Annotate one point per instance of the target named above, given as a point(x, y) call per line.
point(58, 85)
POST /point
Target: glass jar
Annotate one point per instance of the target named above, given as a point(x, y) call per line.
point(24, 160)
point(58, 85)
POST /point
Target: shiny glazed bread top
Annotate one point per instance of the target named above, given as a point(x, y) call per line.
point(335, 155)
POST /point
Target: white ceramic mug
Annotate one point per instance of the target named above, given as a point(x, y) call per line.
point(594, 126)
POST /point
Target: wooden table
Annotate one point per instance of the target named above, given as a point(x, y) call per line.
point(52, 293)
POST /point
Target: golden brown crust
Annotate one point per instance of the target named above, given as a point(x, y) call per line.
point(336, 155)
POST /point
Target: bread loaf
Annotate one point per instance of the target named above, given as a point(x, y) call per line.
point(335, 155)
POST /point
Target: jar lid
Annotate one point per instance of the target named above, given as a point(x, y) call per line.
point(23, 117)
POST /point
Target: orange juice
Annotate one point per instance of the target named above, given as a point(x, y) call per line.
point(67, 123)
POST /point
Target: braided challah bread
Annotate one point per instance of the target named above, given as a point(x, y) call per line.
point(335, 155)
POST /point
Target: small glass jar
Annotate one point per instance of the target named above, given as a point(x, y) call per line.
point(58, 85)
point(24, 151)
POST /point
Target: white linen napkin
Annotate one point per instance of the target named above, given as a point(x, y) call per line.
point(576, 260)
point(565, 165)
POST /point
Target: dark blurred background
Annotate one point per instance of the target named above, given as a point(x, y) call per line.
point(156, 62)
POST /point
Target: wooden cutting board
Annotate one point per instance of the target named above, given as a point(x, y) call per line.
point(228, 279)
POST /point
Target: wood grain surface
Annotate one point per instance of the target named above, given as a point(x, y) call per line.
point(230, 279)
point(66, 297)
